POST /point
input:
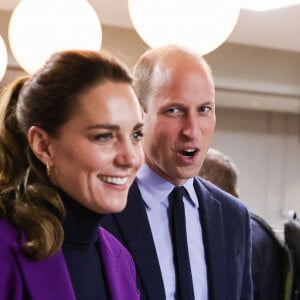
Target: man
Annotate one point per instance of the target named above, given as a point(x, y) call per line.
point(268, 252)
point(176, 90)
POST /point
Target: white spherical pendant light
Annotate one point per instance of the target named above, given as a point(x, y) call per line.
point(38, 28)
point(3, 58)
point(202, 25)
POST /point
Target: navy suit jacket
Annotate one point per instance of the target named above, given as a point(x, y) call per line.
point(226, 237)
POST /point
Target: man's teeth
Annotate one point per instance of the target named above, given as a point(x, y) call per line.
point(115, 180)
point(189, 152)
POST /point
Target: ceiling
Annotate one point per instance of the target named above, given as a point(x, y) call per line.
point(277, 29)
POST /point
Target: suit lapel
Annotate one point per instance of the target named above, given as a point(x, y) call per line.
point(213, 238)
point(47, 279)
point(137, 234)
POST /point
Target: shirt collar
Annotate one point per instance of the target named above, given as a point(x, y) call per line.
point(147, 179)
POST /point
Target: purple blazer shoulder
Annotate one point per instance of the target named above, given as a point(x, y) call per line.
point(49, 279)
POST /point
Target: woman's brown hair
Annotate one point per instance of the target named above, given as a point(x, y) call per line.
point(47, 99)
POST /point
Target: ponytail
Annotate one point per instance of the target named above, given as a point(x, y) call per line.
point(30, 205)
point(13, 161)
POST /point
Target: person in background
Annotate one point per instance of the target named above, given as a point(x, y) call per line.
point(176, 90)
point(68, 157)
point(267, 251)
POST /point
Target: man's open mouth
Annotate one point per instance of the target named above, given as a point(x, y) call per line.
point(189, 152)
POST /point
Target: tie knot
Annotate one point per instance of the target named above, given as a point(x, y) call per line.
point(176, 196)
point(178, 192)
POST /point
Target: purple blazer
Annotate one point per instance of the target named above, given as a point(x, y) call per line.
point(49, 278)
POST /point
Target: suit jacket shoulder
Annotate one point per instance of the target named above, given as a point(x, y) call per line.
point(233, 211)
point(234, 205)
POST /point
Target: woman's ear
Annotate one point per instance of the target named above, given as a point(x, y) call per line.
point(39, 142)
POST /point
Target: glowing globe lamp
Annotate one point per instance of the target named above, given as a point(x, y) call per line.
point(3, 58)
point(202, 25)
point(38, 28)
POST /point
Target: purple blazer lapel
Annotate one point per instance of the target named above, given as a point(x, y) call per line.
point(47, 279)
point(118, 267)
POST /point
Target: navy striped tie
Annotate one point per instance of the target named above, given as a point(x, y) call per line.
point(184, 283)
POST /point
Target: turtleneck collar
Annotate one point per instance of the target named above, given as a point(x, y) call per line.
point(81, 224)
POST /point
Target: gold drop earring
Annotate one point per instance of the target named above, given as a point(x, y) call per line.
point(48, 169)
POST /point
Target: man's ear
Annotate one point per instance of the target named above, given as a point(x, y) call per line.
point(39, 142)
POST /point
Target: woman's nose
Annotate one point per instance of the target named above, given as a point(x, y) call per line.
point(127, 155)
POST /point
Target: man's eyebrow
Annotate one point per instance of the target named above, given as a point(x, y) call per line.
point(171, 105)
point(208, 102)
point(138, 126)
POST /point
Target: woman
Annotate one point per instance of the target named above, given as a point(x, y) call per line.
point(69, 150)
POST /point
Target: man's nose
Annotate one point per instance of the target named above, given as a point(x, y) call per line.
point(190, 126)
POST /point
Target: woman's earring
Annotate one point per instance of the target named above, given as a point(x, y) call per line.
point(48, 169)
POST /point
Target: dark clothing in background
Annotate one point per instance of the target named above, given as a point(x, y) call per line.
point(267, 261)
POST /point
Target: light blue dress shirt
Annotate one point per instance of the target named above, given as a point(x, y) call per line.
point(155, 191)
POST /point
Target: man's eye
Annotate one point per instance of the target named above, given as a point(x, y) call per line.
point(137, 136)
point(175, 111)
point(204, 109)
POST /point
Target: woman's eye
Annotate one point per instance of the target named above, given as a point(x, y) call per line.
point(103, 137)
point(137, 136)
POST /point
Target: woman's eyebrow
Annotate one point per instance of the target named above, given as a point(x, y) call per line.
point(112, 127)
point(104, 126)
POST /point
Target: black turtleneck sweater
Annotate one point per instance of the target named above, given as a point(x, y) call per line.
point(81, 251)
